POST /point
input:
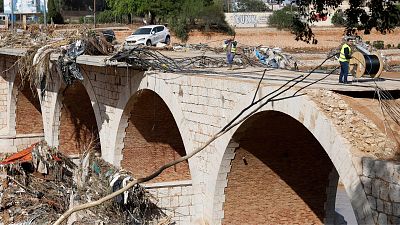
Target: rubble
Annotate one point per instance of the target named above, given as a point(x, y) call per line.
point(36, 184)
point(275, 58)
point(39, 184)
point(365, 135)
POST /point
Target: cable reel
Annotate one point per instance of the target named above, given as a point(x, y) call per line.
point(365, 64)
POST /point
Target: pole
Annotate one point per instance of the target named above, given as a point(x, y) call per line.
point(94, 13)
point(12, 15)
point(44, 13)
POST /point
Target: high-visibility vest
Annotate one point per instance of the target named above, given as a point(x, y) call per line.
point(234, 44)
point(342, 57)
point(231, 44)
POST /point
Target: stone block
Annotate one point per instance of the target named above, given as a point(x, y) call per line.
point(187, 190)
point(379, 205)
point(375, 215)
point(174, 201)
point(384, 191)
point(387, 208)
point(175, 191)
point(372, 202)
point(396, 209)
point(384, 170)
point(394, 193)
point(396, 174)
point(182, 211)
point(394, 220)
point(375, 187)
point(368, 167)
point(367, 184)
point(382, 219)
point(165, 202)
point(185, 201)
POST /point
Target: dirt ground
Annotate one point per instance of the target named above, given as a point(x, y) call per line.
point(328, 38)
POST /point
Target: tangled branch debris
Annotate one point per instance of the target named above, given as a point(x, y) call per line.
point(35, 66)
point(39, 183)
point(35, 185)
point(145, 58)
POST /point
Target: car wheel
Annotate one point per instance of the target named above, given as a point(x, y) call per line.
point(168, 40)
point(148, 43)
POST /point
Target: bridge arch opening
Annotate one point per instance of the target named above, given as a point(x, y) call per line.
point(276, 172)
point(28, 113)
point(78, 129)
point(150, 138)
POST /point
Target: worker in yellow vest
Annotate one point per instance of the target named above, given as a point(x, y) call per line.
point(344, 59)
point(230, 48)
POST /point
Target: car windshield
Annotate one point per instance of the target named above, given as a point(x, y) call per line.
point(142, 31)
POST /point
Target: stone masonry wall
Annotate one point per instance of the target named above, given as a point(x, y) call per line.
point(3, 102)
point(175, 199)
point(381, 181)
point(6, 108)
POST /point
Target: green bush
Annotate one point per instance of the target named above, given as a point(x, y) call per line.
point(212, 18)
point(106, 16)
point(196, 15)
point(398, 46)
point(339, 18)
point(378, 44)
point(180, 28)
point(54, 14)
point(388, 46)
point(368, 42)
point(282, 19)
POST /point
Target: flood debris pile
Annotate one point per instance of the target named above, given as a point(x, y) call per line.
point(262, 56)
point(147, 58)
point(35, 66)
point(38, 184)
point(275, 58)
point(97, 178)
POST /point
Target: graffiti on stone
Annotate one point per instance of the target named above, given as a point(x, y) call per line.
point(247, 19)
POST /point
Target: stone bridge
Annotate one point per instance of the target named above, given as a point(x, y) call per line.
point(280, 165)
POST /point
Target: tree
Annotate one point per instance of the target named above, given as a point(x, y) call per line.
point(182, 15)
point(282, 19)
point(363, 15)
point(53, 12)
point(251, 6)
point(339, 18)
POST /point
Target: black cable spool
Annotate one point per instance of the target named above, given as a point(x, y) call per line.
point(361, 65)
point(372, 64)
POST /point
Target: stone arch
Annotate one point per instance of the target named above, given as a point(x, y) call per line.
point(305, 111)
point(85, 117)
point(151, 138)
point(24, 116)
point(152, 83)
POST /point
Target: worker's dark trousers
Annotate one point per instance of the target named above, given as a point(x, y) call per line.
point(344, 70)
point(229, 57)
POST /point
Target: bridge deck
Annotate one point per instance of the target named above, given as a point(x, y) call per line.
point(276, 77)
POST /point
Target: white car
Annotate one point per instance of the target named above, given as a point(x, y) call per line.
point(148, 35)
